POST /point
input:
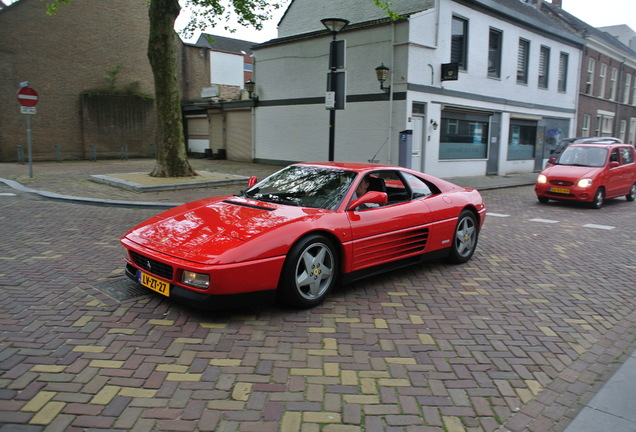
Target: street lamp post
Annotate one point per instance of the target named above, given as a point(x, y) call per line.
point(335, 79)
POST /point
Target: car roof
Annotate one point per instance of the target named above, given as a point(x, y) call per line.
point(608, 144)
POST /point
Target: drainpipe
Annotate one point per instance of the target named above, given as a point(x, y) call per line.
point(391, 82)
point(619, 93)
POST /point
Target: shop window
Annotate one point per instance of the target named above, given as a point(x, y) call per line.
point(522, 140)
point(463, 136)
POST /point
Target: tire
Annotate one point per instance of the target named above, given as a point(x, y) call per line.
point(631, 196)
point(310, 272)
point(543, 199)
point(465, 238)
point(599, 198)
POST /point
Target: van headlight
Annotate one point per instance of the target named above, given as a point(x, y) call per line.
point(584, 183)
point(197, 280)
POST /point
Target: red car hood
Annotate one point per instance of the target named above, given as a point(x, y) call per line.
point(570, 172)
point(209, 227)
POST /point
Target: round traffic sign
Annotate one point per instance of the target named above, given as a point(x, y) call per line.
point(28, 97)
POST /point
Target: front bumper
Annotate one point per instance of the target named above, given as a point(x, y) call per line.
point(199, 300)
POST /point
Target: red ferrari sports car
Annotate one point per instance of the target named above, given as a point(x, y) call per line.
point(301, 230)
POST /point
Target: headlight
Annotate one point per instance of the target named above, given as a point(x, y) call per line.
point(542, 179)
point(583, 183)
point(197, 280)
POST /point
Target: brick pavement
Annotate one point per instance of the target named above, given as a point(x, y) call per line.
point(492, 345)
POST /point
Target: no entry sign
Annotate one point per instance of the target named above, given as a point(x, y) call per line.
point(28, 97)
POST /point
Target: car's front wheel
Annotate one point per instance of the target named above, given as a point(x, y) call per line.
point(310, 271)
point(599, 198)
point(543, 199)
point(465, 238)
point(631, 196)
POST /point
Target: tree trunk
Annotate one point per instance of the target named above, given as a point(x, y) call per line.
point(172, 160)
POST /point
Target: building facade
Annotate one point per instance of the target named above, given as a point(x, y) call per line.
point(514, 97)
point(607, 91)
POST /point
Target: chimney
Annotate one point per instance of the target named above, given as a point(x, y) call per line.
point(557, 3)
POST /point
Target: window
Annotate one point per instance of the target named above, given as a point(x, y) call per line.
point(607, 126)
point(623, 130)
point(563, 72)
point(602, 80)
point(585, 127)
point(613, 78)
point(544, 67)
point(494, 54)
point(463, 135)
point(522, 140)
point(459, 42)
point(627, 89)
point(627, 155)
point(589, 82)
point(597, 131)
point(523, 56)
point(634, 92)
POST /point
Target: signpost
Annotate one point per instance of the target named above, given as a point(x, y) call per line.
point(28, 98)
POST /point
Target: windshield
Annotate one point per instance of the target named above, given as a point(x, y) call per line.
point(583, 156)
point(314, 187)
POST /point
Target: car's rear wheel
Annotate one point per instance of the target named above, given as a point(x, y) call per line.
point(631, 196)
point(543, 199)
point(465, 238)
point(310, 271)
point(599, 198)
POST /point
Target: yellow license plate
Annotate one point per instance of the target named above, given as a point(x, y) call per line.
point(154, 284)
point(560, 190)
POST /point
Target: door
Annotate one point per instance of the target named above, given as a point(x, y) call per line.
point(419, 134)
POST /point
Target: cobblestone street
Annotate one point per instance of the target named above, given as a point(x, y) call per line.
point(516, 339)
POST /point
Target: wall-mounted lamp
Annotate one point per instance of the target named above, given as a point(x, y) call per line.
point(382, 73)
point(249, 87)
point(434, 124)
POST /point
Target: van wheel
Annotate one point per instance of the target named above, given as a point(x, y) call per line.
point(631, 196)
point(599, 198)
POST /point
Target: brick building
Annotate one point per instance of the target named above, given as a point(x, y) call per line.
point(607, 85)
point(68, 57)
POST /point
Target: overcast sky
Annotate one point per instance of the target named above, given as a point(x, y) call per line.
point(597, 13)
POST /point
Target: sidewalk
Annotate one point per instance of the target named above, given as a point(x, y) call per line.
point(613, 408)
point(94, 182)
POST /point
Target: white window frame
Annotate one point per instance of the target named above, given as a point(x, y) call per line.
point(585, 127)
point(627, 89)
point(589, 84)
point(613, 78)
point(602, 75)
point(623, 130)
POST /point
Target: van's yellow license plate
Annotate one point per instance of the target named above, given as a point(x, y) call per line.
point(560, 190)
point(154, 284)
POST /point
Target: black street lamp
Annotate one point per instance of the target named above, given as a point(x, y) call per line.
point(336, 61)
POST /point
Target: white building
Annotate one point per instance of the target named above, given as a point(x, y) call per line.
point(515, 96)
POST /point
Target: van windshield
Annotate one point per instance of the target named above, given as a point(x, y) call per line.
point(583, 156)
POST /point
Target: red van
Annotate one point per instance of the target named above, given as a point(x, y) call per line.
point(590, 172)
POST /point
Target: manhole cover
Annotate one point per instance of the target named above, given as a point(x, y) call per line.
point(122, 289)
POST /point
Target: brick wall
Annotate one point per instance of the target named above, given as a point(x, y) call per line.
point(63, 56)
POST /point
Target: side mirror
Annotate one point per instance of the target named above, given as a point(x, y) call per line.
point(551, 160)
point(252, 181)
point(614, 164)
point(373, 197)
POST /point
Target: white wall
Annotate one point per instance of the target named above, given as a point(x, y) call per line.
point(226, 69)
